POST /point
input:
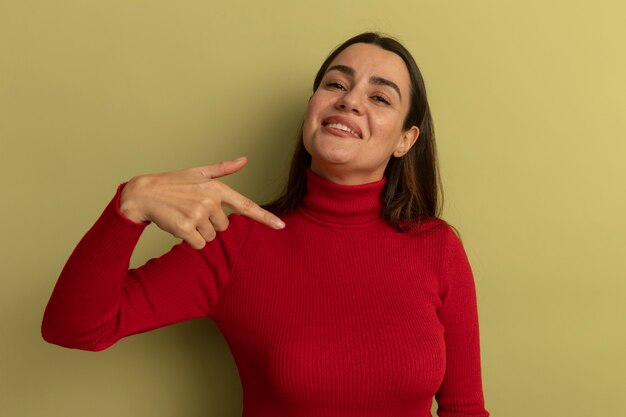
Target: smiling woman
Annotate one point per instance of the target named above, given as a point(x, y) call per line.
point(358, 301)
point(360, 87)
point(357, 99)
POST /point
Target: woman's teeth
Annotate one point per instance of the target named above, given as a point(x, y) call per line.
point(344, 128)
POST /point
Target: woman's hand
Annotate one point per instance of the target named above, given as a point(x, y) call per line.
point(188, 203)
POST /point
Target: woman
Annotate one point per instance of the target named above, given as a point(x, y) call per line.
point(357, 301)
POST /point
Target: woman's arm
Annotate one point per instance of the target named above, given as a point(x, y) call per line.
point(98, 300)
point(460, 393)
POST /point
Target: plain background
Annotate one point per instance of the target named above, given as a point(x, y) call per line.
point(529, 106)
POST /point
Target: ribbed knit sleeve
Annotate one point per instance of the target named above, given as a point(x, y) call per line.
point(98, 300)
point(460, 394)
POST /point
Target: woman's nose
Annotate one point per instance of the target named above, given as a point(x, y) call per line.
point(350, 102)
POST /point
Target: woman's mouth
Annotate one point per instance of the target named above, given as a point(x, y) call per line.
point(341, 127)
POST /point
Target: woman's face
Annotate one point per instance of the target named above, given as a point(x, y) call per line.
point(354, 119)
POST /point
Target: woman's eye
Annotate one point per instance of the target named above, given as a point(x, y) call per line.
point(336, 85)
point(381, 99)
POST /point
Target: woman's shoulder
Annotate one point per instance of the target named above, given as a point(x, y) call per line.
point(428, 225)
point(433, 231)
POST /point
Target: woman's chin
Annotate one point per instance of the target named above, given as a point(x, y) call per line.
point(332, 161)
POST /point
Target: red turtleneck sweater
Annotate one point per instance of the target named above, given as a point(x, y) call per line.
point(338, 314)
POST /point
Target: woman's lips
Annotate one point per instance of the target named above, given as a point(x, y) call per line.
point(341, 126)
point(338, 132)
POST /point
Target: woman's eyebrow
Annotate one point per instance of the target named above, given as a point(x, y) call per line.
point(373, 80)
point(388, 83)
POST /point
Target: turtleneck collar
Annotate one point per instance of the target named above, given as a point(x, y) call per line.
point(342, 204)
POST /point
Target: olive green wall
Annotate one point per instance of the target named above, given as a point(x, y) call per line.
point(529, 101)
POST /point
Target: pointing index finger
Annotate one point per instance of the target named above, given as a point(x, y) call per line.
point(245, 206)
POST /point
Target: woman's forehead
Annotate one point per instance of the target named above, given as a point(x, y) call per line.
point(370, 60)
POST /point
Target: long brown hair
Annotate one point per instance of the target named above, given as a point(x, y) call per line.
point(413, 192)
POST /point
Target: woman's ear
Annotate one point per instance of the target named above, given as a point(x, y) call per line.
point(408, 139)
